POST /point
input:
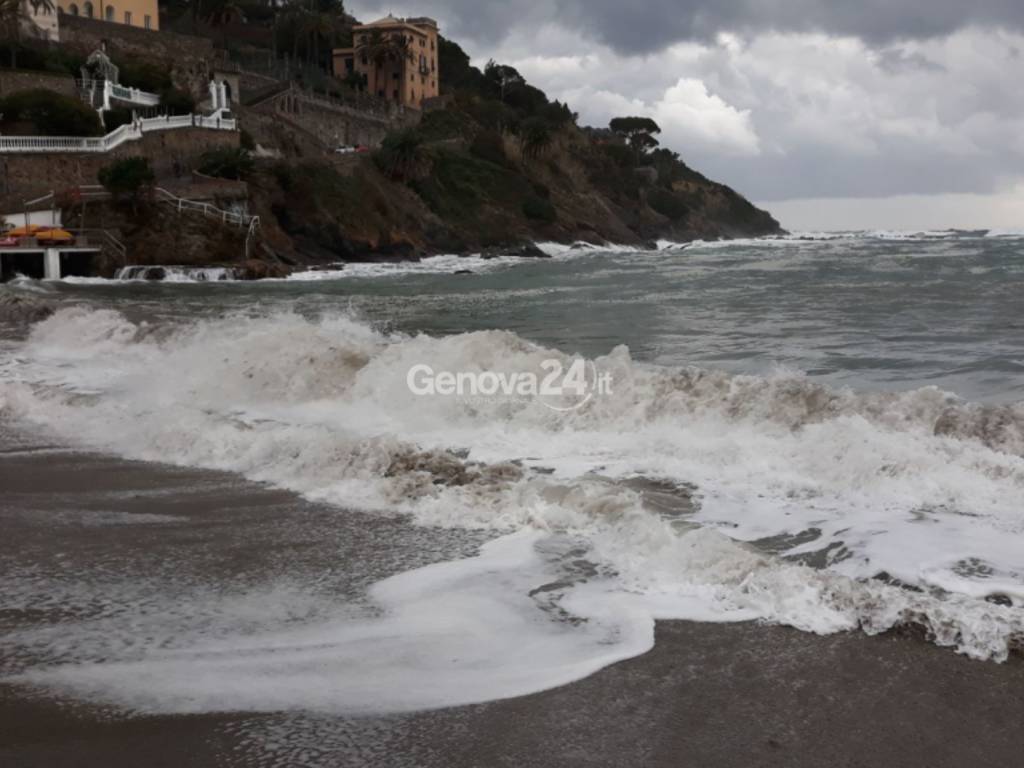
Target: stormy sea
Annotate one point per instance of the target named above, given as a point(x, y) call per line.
point(234, 497)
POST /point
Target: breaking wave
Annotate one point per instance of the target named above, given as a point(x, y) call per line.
point(691, 493)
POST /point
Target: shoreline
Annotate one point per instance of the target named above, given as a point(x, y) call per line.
point(706, 694)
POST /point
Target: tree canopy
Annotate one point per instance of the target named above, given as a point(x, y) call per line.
point(125, 179)
point(638, 132)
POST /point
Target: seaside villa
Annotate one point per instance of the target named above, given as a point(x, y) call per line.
point(144, 14)
point(397, 58)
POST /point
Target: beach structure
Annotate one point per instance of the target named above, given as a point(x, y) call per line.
point(395, 58)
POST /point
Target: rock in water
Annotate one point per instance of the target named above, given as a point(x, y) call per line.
point(23, 309)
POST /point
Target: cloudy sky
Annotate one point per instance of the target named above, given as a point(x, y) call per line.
point(831, 113)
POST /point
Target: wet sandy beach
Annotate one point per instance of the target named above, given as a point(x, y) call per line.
point(708, 694)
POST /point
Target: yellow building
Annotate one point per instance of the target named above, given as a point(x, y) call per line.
point(143, 14)
point(397, 58)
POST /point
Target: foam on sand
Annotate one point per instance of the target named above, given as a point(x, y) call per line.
point(918, 488)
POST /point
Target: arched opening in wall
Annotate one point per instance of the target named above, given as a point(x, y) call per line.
point(227, 91)
point(87, 9)
point(73, 9)
point(110, 13)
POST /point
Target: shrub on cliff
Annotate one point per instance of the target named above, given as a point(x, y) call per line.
point(535, 135)
point(127, 179)
point(226, 163)
point(443, 124)
point(539, 209)
point(667, 203)
point(488, 145)
point(401, 155)
point(51, 113)
point(460, 186)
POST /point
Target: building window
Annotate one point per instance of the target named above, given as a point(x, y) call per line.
point(87, 9)
point(73, 9)
point(110, 13)
point(147, 20)
point(127, 17)
point(395, 94)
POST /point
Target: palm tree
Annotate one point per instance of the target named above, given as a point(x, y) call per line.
point(45, 5)
point(535, 137)
point(380, 47)
point(320, 26)
point(401, 156)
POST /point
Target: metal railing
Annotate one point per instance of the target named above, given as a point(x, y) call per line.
point(128, 132)
point(252, 223)
point(207, 210)
point(80, 192)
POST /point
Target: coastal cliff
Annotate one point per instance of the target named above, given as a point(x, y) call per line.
point(459, 199)
point(493, 165)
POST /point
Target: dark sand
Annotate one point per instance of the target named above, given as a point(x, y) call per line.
point(707, 695)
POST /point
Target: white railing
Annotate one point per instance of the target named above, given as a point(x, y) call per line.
point(132, 95)
point(251, 223)
point(117, 137)
point(207, 210)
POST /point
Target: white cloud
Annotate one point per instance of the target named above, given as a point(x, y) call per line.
point(692, 118)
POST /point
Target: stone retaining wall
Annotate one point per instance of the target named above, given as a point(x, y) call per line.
point(336, 124)
point(173, 154)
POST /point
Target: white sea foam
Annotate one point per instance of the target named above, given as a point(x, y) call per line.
point(445, 264)
point(583, 248)
point(919, 486)
point(1006, 233)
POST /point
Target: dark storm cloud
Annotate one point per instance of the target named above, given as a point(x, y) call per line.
point(649, 25)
